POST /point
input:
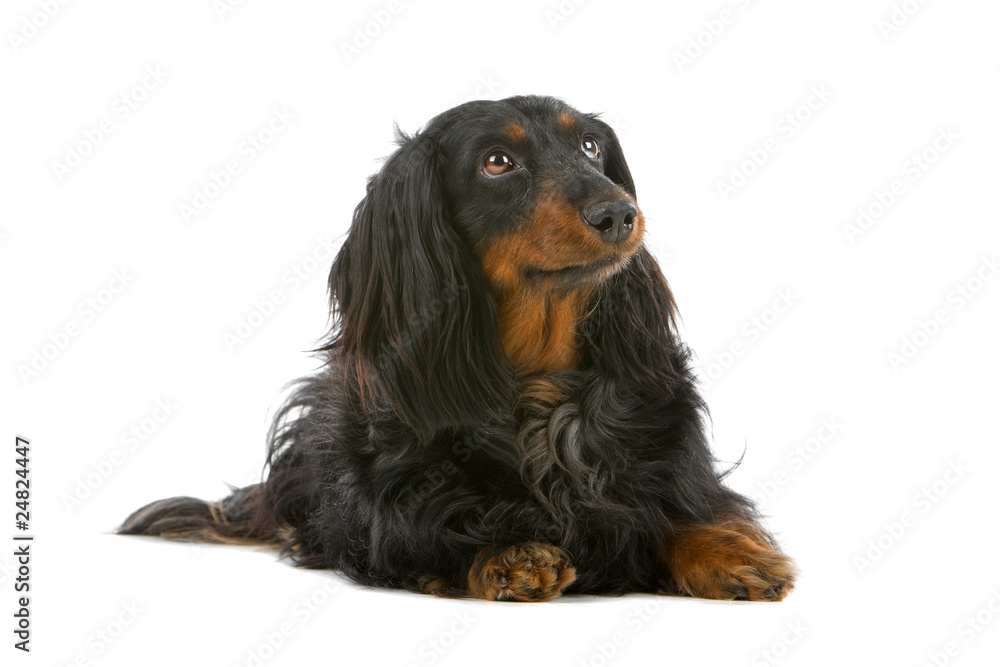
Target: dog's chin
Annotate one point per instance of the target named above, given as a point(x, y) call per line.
point(576, 276)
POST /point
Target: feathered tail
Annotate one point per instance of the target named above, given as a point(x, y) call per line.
point(236, 519)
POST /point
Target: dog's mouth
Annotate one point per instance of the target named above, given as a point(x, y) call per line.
point(588, 273)
point(557, 250)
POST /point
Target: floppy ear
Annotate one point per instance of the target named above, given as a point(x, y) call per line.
point(631, 332)
point(615, 166)
point(416, 324)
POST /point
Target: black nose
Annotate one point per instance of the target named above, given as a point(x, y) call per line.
point(612, 220)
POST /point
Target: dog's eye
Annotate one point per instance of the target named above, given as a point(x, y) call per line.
point(497, 164)
point(590, 148)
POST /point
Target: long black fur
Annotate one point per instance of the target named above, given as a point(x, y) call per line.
point(417, 444)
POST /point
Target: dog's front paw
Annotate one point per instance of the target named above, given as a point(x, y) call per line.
point(528, 572)
point(731, 561)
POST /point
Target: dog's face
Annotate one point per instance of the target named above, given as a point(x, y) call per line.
point(542, 193)
point(501, 241)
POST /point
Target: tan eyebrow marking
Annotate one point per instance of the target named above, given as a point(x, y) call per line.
point(515, 132)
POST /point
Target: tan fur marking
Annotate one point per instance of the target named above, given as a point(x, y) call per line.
point(567, 120)
point(726, 561)
point(538, 324)
point(539, 330)
point(515, 132)
point(435, 586)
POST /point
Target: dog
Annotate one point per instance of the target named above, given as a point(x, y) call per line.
point(505, 410)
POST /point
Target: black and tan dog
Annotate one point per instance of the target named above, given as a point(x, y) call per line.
point(505, 411)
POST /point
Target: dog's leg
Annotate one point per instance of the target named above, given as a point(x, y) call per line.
point(730, 560)
point(528, 572)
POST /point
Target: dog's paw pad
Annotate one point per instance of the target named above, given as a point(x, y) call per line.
point(529, 572)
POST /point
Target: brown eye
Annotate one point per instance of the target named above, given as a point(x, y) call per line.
point(590, 148)
point(497, 164)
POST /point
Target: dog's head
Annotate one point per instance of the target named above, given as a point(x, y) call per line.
point(541, 191)
point(482, 249)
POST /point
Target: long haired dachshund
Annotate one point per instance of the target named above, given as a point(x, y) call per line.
point(505, 410)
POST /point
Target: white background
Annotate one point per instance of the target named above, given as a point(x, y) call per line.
point(892, 430)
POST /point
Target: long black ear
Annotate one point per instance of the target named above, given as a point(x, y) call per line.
point(615, 166)
point(416, 325)
point(632, 333)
